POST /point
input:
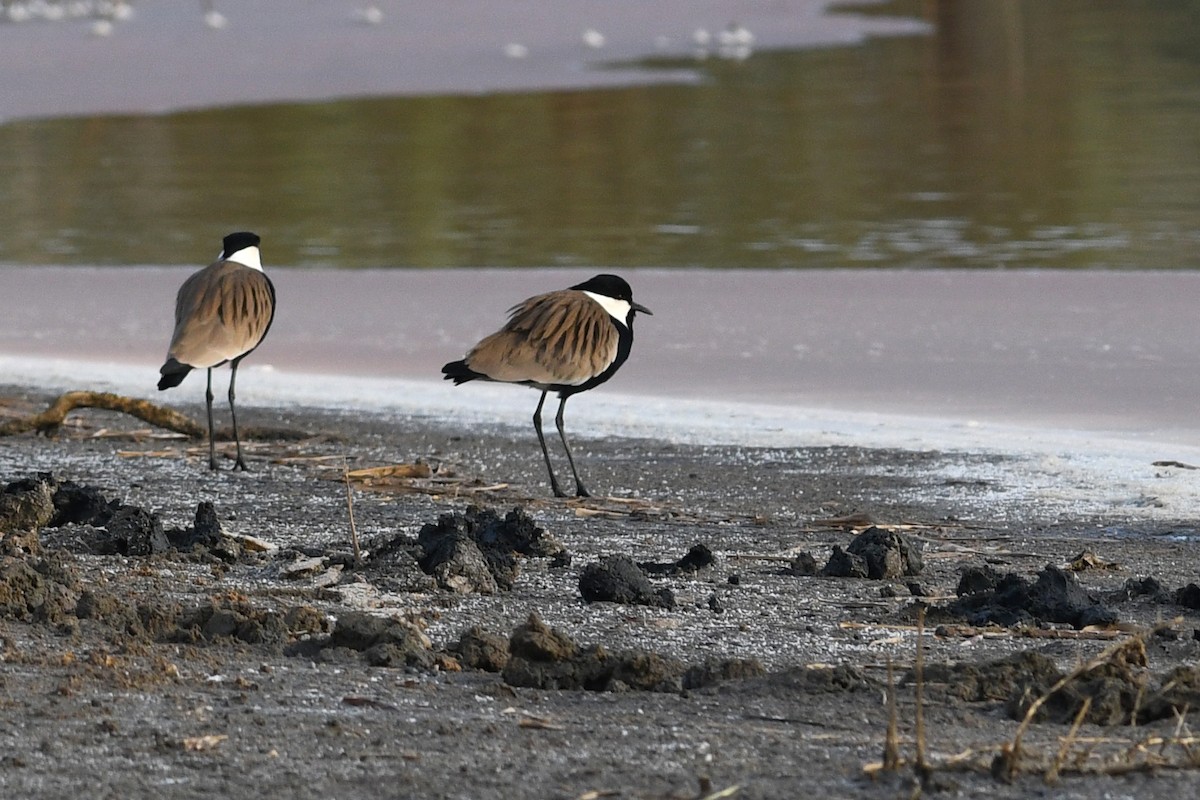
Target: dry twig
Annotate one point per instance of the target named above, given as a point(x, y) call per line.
point(350, 512)
point(55, 416)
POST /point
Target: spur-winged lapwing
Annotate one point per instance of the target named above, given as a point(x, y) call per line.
point(567, 342)
point(222, 313)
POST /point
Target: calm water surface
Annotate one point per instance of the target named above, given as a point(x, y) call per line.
point(1061, 134)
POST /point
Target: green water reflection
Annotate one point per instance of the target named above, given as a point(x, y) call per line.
point(1063, 134)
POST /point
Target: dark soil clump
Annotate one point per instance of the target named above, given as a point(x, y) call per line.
point(1055, 596)
point(877, 554)
point(383, 641)
point(35, 586)
point(477, 550)
point(697, 558)
point(991, 680)
point(132, 531)
point(543, 658)
point(27, 504)
point(478, 649)
point(618, 579)
point(229, 619)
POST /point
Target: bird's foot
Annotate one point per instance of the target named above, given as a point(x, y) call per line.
point(240, 465)
point(580, 491)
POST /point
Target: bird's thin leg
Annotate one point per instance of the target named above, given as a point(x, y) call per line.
point(212, 440)
point(558, 419)
point(241, 462)
point(537, 426)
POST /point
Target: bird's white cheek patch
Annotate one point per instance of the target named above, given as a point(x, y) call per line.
point(250, 256)
point(617, 309)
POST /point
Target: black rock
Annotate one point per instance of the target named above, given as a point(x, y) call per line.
point(803, 564)
point(76, 504)
point(134, 531)
point(887, 554)
point(619, 580)
point(27, 504)
point(457, 564)
point(843, 564)
point(1055, 596)
point(454, 546)
point(975, 580)
point(1188, 596)
point(383, 642)
point(696, 559)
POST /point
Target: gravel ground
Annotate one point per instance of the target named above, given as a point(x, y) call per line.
point(220, 673)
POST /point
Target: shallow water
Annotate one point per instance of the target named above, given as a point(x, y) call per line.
point(1016, 134)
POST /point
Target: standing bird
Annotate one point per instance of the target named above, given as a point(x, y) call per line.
point(567, 341)
point(222, 313)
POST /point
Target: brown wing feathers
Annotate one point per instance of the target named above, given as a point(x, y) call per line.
point(561, 337)
point(222, 312)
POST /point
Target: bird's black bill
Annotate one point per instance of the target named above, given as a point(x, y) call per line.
point(641, 309)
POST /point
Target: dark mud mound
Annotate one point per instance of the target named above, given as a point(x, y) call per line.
point(1109, 692)
point(36, 586)
point(821, 680)
point(987, 597)
point(390, 564)
point(144, 621)
point(804, 564)
point(478, 649)
point(877, 554)
point(1117, 689)
point(714, 671)
point(45, 588)
point(205, 536)
point(229, 618)
point(991, 680)
point(544, 658)
point(78, 504)
point(27, 504)
point(129, 530)
point(698, 557)
point(83, 520)
point(1148, 588)
point(618, 579)
point(132, 531)
point(477, 550)
point(1188, 596)
point(382, 641)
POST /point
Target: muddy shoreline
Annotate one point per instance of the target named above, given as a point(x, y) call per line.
point(210, 673)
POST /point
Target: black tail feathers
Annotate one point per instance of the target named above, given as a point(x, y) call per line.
point(459, 372)
point(173, 374)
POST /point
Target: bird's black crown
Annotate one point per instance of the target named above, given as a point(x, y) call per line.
point(239, 241)
point(612, 286)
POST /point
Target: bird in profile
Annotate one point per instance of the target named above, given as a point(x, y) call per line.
point(567, 342)
point(222, 313)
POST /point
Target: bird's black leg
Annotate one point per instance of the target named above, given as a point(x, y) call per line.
point(212, 440)
point(558, 419)
point(241, 462)
point(537, 426)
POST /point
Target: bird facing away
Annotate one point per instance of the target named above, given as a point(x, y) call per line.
point(567, 341)
point(222, 313)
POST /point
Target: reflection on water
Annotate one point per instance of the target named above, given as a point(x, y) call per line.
point(1021, 133)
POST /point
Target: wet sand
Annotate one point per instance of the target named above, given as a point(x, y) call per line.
point(1100, 351)
point(257, 699)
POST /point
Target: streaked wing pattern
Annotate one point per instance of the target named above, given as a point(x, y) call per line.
point(221, 312)
point(561, 337)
